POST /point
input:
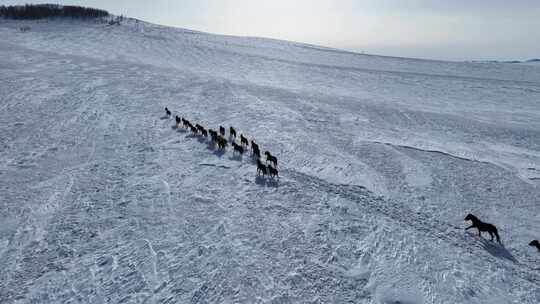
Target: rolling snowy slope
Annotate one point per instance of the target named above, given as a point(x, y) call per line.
point(380, 158)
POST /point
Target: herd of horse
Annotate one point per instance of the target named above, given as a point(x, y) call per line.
point(217, 137)
point(272, 171)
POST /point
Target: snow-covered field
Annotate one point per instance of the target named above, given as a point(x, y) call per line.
point(380, 158)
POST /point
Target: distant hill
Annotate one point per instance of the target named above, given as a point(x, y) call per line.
point(534, 60)
point(40, 11)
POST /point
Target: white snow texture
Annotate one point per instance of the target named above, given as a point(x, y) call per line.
point(380, 159)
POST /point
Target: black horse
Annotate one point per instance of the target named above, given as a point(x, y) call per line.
point(167, 112)
point(213, 134)
point(222, 131)
point(256, 152)
point(273, 172)
point(255, 149)
point(177, 121)
point(203, 132)
point(237, 148)
point(481, 226)
point(244, 140)
point(536, 244)
point(270, 158)
point(232, 131)
point(186, 123)
point(222, 142)
point(261, 168)
point(194, 129)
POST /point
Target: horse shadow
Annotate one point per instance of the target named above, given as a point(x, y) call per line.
point(201, 139)
point(237, 157)
point(219, 152)
point(180, 130)
point(266, 182)
point(498, 250)
point(164, 117)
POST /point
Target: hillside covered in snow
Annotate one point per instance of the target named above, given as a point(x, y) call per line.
point(380, 159)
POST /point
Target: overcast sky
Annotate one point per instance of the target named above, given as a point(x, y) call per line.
point(438, 29)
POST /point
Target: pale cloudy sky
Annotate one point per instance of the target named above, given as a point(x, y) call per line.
point(438, 29)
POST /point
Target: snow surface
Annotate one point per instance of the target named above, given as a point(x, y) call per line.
point(380, 158)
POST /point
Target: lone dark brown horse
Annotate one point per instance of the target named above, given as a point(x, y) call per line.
point(481, 226)
point(536, 244)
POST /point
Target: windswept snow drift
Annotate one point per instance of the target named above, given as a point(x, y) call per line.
point(380, 160)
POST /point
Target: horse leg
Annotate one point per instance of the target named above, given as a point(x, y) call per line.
point(472, 226)
point(499, 239)
point(491, 235)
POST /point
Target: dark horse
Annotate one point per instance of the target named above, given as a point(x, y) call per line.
point(185, 123)
point(203, 132)
point(167, 112)
point(237, 148)
point(243, 140)
point(536, 244)
point(255, 149)
point(256, 152)
point(270, 158)
point(232, 131)
point(261, 168)
point(222, 143)
point(481, 226)
point(213, 134)
point(273, 172)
